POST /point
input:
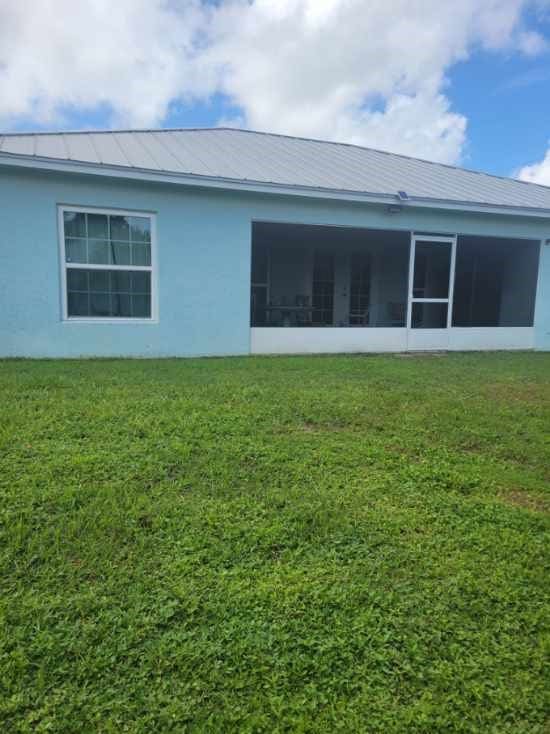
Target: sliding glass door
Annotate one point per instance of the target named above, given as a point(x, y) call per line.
point(431, 278)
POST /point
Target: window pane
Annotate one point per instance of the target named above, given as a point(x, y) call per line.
point(99, 281)
point(120, 229)
point(141, 283)
point(122, 281)
point(98, 226)
point(141, 254)
point(141, 306)
point(75, 251)
point(140, 229)
point(121, 305)
point(432, 266)
point(99, 252)
point(120, 253)
point(75, 224)
point(100, 304)
point(107, 293)
point(77, 304)
point(77, 280)
point(429, 315)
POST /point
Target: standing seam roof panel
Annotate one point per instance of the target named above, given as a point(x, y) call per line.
point(274, 167)
point(134, 151)
point(80, 148)
point(316, 172)
point(18, 144)
point(166, 160)
point(55, 148)
point(108, 150)
point(191, 162)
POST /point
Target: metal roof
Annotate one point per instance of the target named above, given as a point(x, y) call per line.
point(241, 156)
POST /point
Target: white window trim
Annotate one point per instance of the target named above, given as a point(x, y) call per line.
point(64, 266)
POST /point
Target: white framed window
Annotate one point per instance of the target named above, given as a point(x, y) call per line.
point(108, 265)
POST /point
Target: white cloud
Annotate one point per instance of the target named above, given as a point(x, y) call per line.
point(532, 43)
point(133, 55)
point(370, 73)
point(311, 67)
point(537, 172)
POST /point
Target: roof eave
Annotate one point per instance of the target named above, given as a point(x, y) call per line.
point(229, 184)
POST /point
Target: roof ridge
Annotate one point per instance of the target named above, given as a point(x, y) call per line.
point(277, 135)
point(20, 133)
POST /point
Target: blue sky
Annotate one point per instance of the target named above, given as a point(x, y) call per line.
point(467, 83)
point(506, 99)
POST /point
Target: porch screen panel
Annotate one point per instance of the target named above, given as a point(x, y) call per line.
point(323, 289)
point(260, 284)
point(328, 276)
point(495, 282)
point(360, 280)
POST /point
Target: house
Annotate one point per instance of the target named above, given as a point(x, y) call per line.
point(223, 241)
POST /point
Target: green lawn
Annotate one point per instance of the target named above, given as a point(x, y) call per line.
point(307, 544)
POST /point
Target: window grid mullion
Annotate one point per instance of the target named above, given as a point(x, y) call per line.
point(106, 266)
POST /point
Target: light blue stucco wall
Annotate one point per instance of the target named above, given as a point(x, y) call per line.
point(203, 262)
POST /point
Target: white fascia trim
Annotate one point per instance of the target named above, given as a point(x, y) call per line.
point(228, 184)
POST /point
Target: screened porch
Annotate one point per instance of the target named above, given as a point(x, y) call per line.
point(324, 277)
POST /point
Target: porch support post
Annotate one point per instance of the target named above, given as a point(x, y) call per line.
point(542, 302)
